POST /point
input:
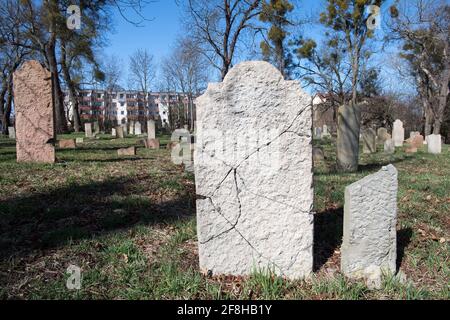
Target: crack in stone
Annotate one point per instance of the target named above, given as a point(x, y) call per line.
point(235, 174)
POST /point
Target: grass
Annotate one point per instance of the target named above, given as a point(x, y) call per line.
point(129, 224)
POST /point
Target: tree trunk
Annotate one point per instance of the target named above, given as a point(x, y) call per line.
point(8, 105)
point(60, 116)
point(442, 101)
point(72, 91)
point(2, 108)
point(349, 119)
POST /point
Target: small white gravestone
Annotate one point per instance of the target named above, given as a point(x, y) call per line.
point(11, 132)
point(434, 143)
point(151, 129)
point(114, 132)
point(398, 133)
point(137, 128)
point(253, 174)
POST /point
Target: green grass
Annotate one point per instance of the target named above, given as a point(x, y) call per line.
point(129, 224)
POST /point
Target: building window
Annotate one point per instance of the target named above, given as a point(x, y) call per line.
point(122, 112)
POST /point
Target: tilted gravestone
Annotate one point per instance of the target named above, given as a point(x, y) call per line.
point(398, 133)
point(369, 139)
point(253, 174)
point(369, 246)
point(34, 113)
point(434, 143)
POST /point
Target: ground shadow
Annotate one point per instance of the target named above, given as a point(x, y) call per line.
point(328, 226)
point(82, 211)
point(403, 239)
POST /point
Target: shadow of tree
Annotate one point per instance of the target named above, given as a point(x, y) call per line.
point(328, 229)
point(78, 211)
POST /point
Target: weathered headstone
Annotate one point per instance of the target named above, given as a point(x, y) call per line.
point(254, 199)
point(382, 135)
point(88, 130)
point(369, 246)
point(151, 143)
point(151, 129)
point(412, 134)
point(369, 139)
point(417, 141)
point(79, 140)
point(34, 113)
point(131, 151)
point(124, 129)
point(11, 132)
point(398, 133)
point(137, 128)
point(119, 131)
point(67, 144)
point(318, 133)
point(131, 124)
point(389, 146)
point(434, 143)
point(318, 154)
point(96, 128)
point(348, 137)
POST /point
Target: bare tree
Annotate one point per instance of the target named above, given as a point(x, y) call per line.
point(187, 69)
point(218, 26)
point(424, 29)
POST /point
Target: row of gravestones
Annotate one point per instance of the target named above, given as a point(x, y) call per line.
point(370, 139)
point(254, 199)
point(322, 132)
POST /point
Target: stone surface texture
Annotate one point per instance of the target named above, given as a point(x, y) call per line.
point(398, 133)
point(88, 130)
point(120, 132)
point(382, 135)
point(417, 141)
point(254, 201)
point(34, 113)
point(369, 245)
point(11, 132)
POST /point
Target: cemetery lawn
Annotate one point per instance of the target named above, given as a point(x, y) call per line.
point(129, 223)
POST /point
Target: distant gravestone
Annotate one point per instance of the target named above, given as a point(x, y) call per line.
point(434, 143)
point(35, 133)
point(131, 125)
point(96, 128)
point(369, 139)
point(389, 146)
point(369, 246)
point(325, 132)
point(114, 132)
point(67, 144)
point(131, 151)
point(79, 140)
point(417, 141)
point(88, 130)
point(382, 135)
point(412, 134)
point(137, 128)
point(119, 131)
point(398, 133)
point(151, 129)
point(318, 155)
point(124, 129)
point(253, 174)
point(11, 132)
point(318, 133)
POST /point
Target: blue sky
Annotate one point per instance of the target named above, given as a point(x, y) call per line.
point(159, 34)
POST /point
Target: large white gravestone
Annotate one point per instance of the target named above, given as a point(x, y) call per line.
point(253, 174)
point(137, 128)
point(369, 245)
point(398, 133)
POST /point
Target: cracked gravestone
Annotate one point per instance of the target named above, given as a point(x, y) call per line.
point(369, 245)
point(34, 113)
point(253, 174)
